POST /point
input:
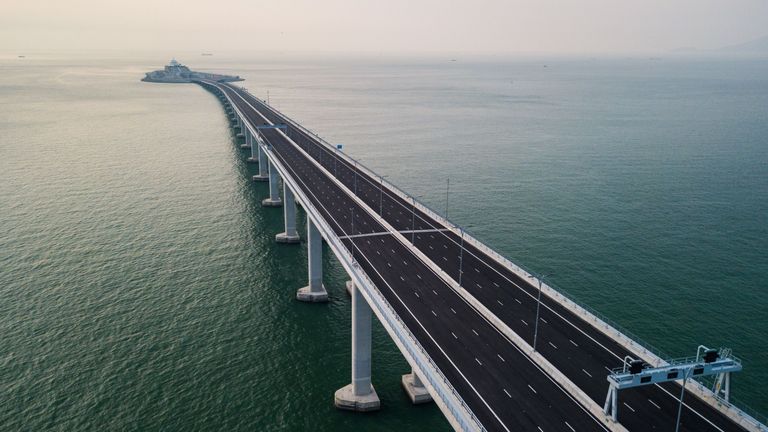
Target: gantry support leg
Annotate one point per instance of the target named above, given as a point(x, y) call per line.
point(360, 394)
point(315, 291)
point(611, 400)
point(263, 174)
point(274, 191)
point(415, 388)
point(289, 206)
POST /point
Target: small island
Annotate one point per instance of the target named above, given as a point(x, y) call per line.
point(176, 72)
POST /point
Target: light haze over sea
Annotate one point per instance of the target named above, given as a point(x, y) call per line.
point(141, 287)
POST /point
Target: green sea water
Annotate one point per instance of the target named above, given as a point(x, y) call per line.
point(141, 287)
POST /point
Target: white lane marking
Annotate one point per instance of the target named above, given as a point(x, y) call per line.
point(435, 292)
point(418, 276)
point(473, 331)
point(625, 404)
point(417, 294)
point(553, 345)
point(390, 265)
point(445, 259)
point(688, 406)
point(499, 302)
point(433, 313)
point(502, 358)
point(524, 322)
point(477, 270)
point(497, 285)
point(402, 278)
point(532, 389)
point(539, 428)
point(452, 310)
point(654, 404)
point(570, 427)
point(588, 374)
point(478, 361)
point(478, 285)
point(574, 343)
point(545, 321)
point(518, 300)
point(505, 391)
point(454, 336)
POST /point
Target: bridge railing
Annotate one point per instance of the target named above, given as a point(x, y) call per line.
point(423, 361)
point(598, 319)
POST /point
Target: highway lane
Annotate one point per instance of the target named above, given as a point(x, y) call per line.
point(580, 351)
point(502, 385)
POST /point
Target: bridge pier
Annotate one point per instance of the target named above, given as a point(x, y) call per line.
point(315, 291)
point(274, 193)
point(415, 388)
point(253, 142)
point(263, 174)
point(289, 210)
point(360, 394)
point(240, 128)
point(247, 143)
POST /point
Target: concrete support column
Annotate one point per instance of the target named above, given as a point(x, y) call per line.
point(247, 135)
point(415, 388)
point(254, 143)
point(360, 394)
point(289, 206)
point(274, 192)
point(315, 291)
point(241, 129)
point(263, 166)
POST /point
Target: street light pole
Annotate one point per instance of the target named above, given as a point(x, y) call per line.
point(538, 307)
point(461, 256)
point(381, 195)
point(447, 189)
point(680, 407)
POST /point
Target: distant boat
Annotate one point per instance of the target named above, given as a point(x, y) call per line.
point(207, 54)
point(453, 59)
point(21, 56)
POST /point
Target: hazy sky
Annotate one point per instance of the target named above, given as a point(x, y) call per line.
point(483, 26)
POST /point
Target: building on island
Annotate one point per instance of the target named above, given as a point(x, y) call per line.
point(176, 72)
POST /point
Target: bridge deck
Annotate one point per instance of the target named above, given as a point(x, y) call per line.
point(505, 389)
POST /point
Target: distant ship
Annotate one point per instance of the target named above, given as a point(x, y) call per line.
point(206, 54)
point(176, 72)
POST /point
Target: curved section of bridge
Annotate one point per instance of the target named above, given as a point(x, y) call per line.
point(463, 316)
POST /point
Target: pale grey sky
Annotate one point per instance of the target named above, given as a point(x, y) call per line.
point(399, 26)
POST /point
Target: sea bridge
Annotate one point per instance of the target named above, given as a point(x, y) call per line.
point(491, 344)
